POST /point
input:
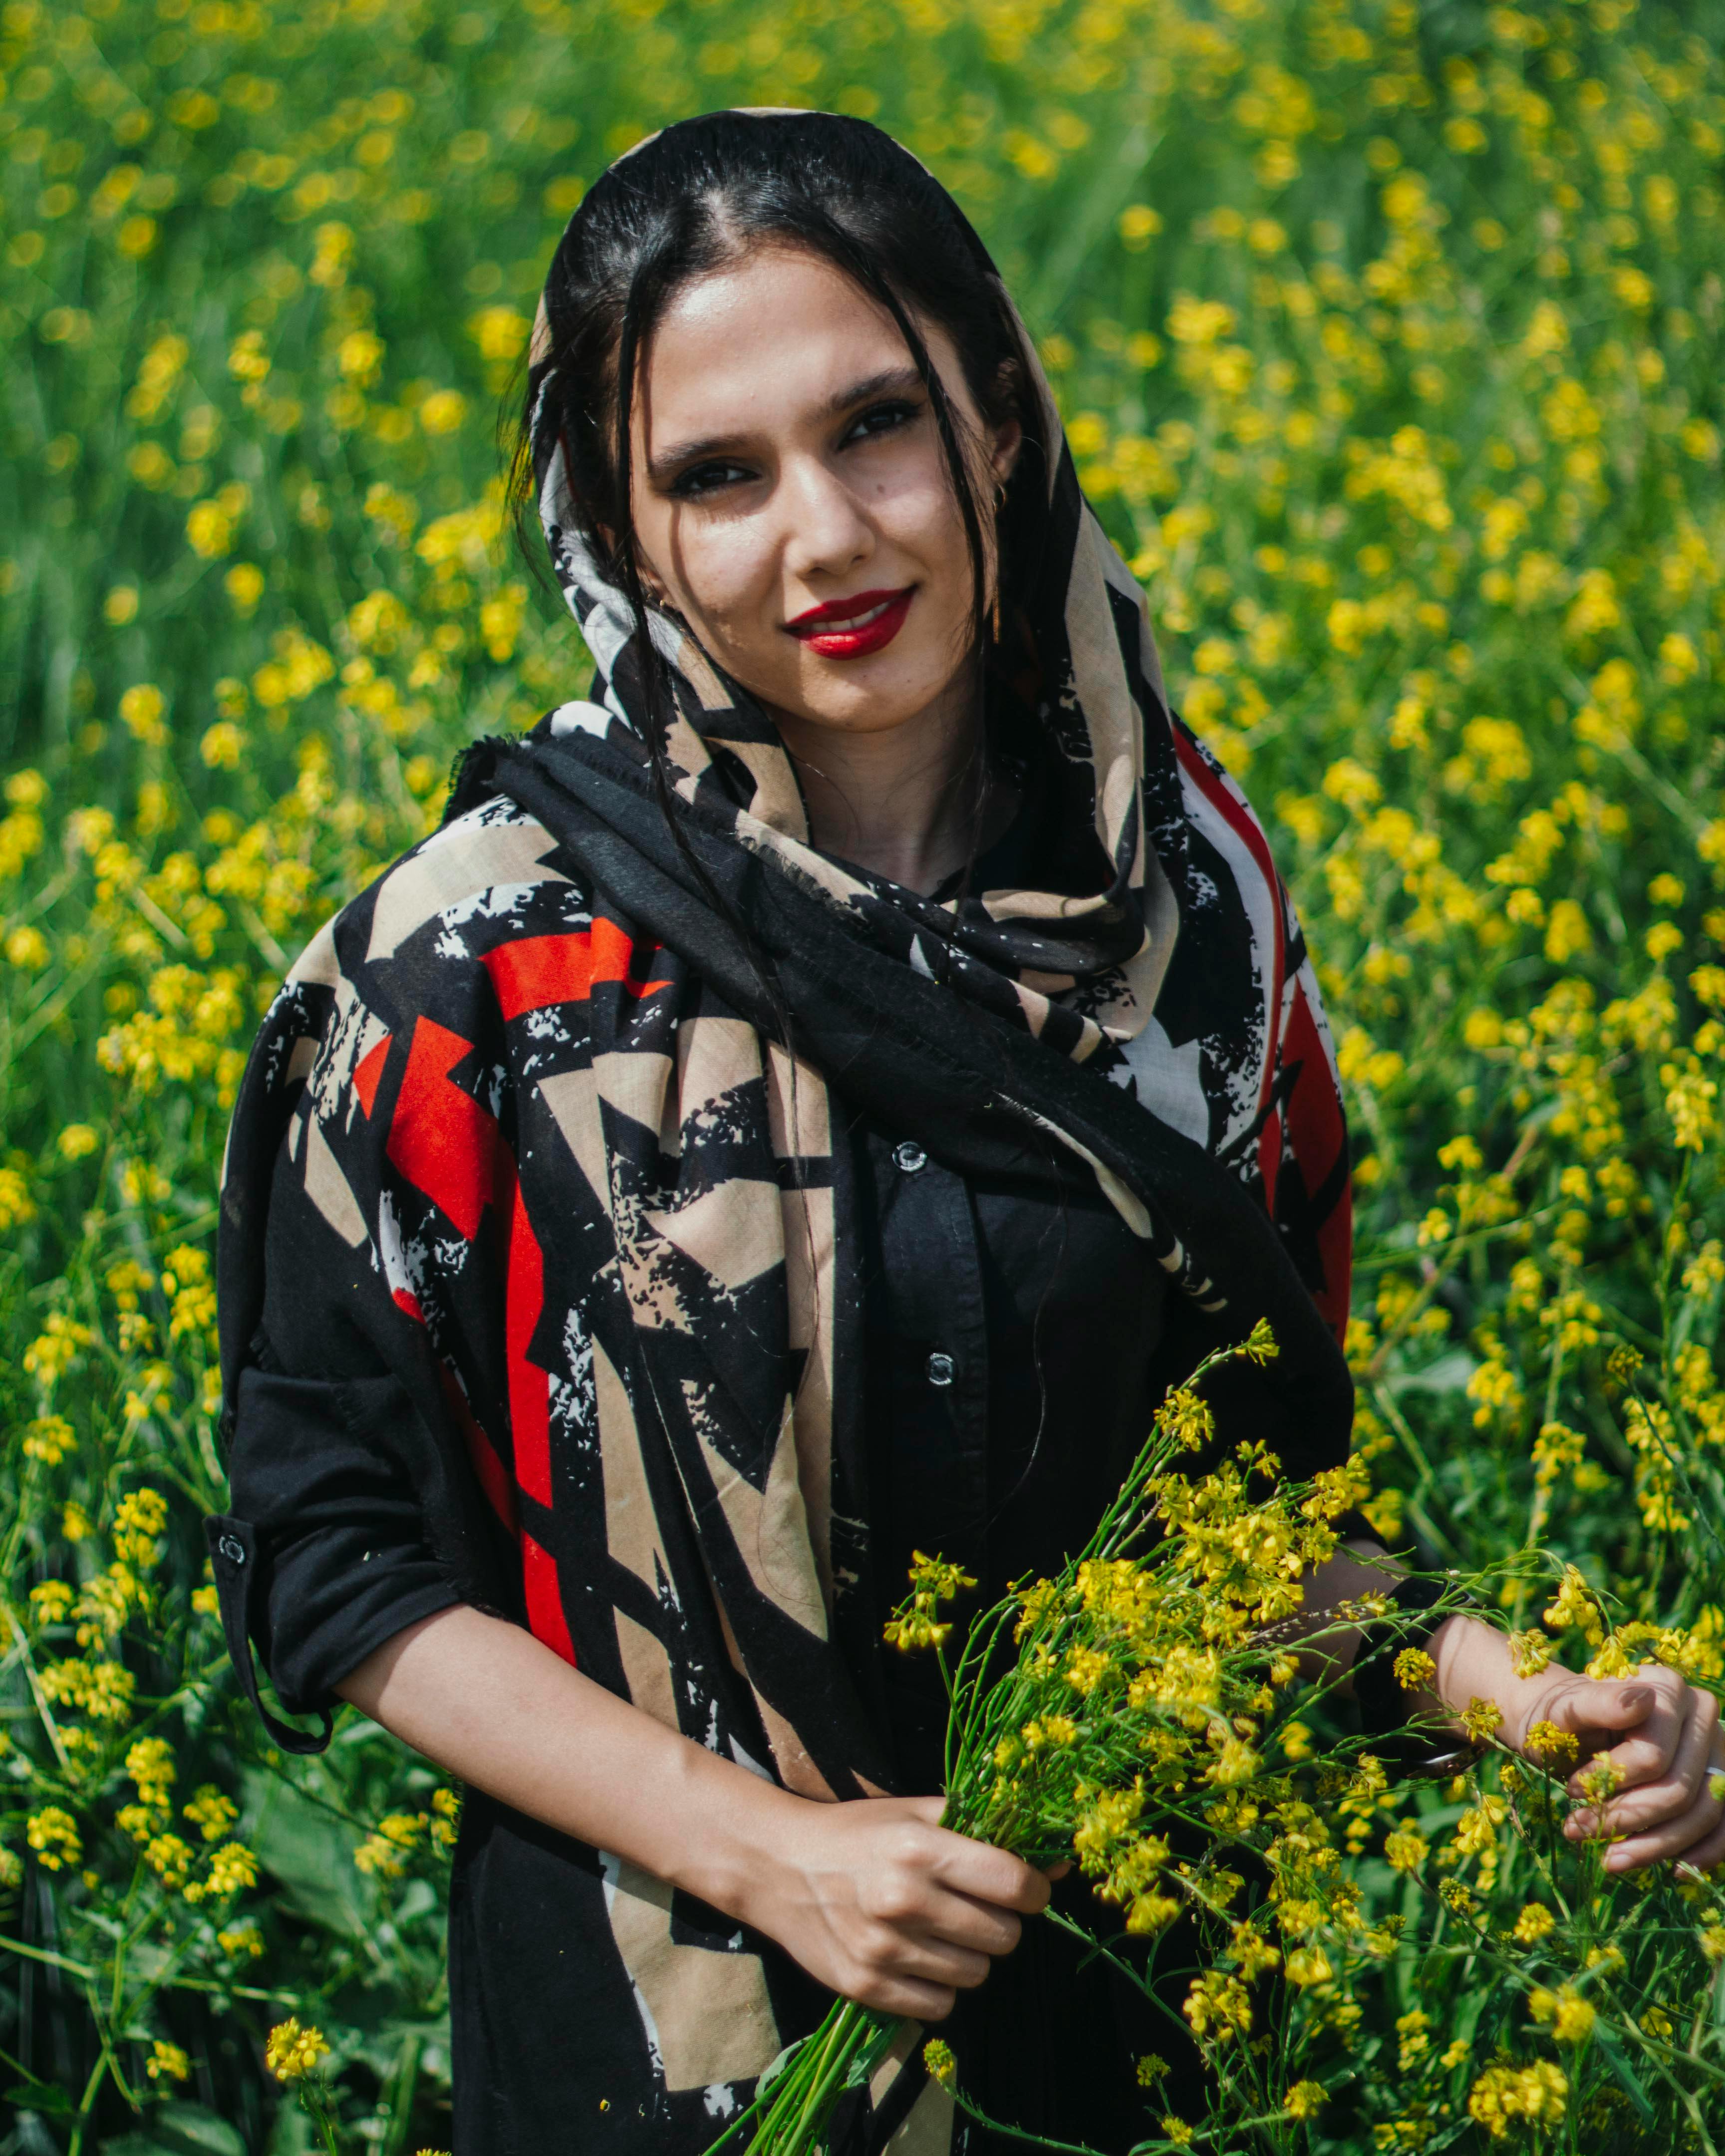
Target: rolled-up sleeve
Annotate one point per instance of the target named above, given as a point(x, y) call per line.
point(338, 1561)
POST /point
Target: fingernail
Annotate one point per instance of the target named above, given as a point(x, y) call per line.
point(1638, 1699)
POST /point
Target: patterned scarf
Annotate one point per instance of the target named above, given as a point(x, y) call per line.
point(537, 1084)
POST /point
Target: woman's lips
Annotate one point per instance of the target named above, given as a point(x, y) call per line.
point(852, 629)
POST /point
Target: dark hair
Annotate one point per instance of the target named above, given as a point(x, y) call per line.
point(699, 195)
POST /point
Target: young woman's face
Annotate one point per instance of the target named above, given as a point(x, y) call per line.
point(792, 499)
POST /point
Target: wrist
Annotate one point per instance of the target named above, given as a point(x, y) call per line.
point(1474, 1662)
point(731, 1829)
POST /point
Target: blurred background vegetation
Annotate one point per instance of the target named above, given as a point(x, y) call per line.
point(1389, 337)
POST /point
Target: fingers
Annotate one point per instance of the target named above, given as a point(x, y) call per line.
point(1670, 1817)
point(901, 1972)
point(903, 1996)
point(893, 1910)
point(983, 1926)
point(1706, 1853)
point(913, 1903)
point(1648, 1804)
point(1641, 1720)
point(932, 1961)
point(987, 1874)
point(1672, 1838)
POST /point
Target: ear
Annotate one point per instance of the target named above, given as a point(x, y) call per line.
point(1003, 456)
point(651, 582)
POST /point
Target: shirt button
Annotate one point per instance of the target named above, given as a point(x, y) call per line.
point(233, 1549)
point(910, 1156)
point(941, 1369)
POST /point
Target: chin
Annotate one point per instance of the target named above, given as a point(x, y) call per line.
point(862, 714)
point(867, 697)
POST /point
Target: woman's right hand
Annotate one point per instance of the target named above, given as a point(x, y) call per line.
point(874, 1898)
point(881, 1903)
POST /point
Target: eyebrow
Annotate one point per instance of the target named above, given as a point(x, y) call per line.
point(890, 380)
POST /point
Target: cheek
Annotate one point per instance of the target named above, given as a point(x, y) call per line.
point(721, 573)
point(915, 512)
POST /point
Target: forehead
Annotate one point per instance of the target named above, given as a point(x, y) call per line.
point(762, 342)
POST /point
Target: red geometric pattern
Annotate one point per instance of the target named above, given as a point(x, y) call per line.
point(536, 972)
point(440, 1137)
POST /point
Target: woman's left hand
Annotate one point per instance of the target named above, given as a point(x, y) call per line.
point(1662, 1738)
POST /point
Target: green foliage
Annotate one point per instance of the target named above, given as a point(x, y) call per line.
point(1389, 339)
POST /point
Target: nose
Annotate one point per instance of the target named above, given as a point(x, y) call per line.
point(827, 534)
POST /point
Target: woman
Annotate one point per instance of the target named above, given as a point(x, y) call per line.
point(802, 1108)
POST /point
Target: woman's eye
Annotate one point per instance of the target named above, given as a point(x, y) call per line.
point(709, 478)
point(883, 418)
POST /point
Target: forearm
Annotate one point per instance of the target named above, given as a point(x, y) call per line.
point(1473, 1659)
point(497, 1708)
point(874, 1899)
point(1359, 1569)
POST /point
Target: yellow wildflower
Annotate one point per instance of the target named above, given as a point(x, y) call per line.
point(293, 2052)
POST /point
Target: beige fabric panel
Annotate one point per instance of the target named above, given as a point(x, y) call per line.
point(328, 1187)
point(1037, 906)
point(715, 1055)
point(764, 837)
point(778, 800)
point(1098, 682)
point(893, 2060)
point(1130, 1207)
point(795, 1769)
point(810, 1235)
point(648, 1275)
point(573, 1097)
point(692, 663)
point(455, 863)
point(927, 2131)
point(799, 1115)
point(707, 2014)
point(317, 965)
point(646, 1670)
point(631, 1524)
point(637, 1083)
point(734, 1232)
point(770, 1527)
point(1117, 573)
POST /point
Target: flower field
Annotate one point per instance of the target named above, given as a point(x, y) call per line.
point(1389, 340)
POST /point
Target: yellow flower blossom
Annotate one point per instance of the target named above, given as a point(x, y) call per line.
point(1568, 2016)
point(1506, 2097)
point(293, 2052)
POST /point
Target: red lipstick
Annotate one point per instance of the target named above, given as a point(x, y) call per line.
point(852, 627)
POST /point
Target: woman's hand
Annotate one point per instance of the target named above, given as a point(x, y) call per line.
point(879, 1902)
point(1660, 1736)
point(873, 1897)
point(1662, 1740)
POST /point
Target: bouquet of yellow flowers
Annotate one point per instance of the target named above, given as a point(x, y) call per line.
point(1139, 1692)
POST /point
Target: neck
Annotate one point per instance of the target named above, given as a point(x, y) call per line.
point(911, 801)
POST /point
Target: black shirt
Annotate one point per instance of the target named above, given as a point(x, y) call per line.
point(1006, 1376)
